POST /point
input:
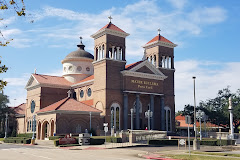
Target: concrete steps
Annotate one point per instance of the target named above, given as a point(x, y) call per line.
point(47, 143)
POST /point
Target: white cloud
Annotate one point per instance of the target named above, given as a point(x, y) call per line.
point(208, 15)
point(179, 4)
point(210, 77)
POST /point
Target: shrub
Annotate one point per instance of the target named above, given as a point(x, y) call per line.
point(56, 142)
point(163, 142)
point(225, 142)
point(55, 137)
point(109, 139)
point(208, 142)
point(69, 145)
point(17, 140)
point(96, 141)
point(28, 135)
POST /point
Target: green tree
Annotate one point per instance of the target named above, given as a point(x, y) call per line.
point(3, 110)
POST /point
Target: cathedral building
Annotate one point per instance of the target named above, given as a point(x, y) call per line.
point(100, 88)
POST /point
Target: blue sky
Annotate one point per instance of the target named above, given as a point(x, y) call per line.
point(207, 34)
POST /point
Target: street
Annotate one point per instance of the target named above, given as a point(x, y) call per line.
point(22, 152)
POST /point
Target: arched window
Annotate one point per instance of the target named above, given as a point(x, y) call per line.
point(103, 51)
point(168, 118)
point(115, 116)
point(140, 107)
point(154, 60)
point(99, 53)
point(30, 125)
point(32, 106)
point(97, 58)
point(27, 126)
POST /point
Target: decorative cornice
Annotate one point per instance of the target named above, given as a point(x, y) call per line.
point(109, 31)
point(85, 83)
point(104, 59)
point(159, 43)
point(77, 59)
point(143, 75)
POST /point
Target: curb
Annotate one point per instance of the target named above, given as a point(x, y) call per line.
point(154, 156)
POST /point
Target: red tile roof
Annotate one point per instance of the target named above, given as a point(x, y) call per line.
point(54, 80)
point(20, 109)
point(181, 120)
point(159, 38)
point(86, 79)
point(69, 104)
point(88, 102)
point(130, 66)
point(112, 27)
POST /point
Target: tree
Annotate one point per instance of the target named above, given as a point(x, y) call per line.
point(3, 110)
point(217, 108)
point(18, 7)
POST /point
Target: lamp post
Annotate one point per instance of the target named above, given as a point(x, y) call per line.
point(33, 126)
point(230, 108)
point(6, 125)
point(195, 143)
point(200, 115)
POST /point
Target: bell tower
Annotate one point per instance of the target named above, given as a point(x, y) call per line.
point(109, 61)
point(160, 52)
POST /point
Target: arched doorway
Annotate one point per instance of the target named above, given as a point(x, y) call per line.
point(39, 131)
point(45, 130)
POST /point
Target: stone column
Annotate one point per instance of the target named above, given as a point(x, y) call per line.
point(125, 112)
point(162, 114)
point(118, 53)
point(113, 54)
point(167, 62)
point(137, 112)
point(152, 109)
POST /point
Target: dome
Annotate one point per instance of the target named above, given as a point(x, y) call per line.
point(80, 53)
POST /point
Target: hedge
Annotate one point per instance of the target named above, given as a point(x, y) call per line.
point(17, 140)
point(163, 142)
point(109, 139)
point(96, 141)
point(207, 142)
point(28, 135)
point(56, 142)
point(55, 137)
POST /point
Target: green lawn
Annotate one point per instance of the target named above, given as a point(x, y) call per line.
point(198, 157)
point(1, 139)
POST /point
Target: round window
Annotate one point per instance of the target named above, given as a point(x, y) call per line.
point(32, 106)
point(89, 92)
point(79, 68)
point(88, 69)
point(81, 93)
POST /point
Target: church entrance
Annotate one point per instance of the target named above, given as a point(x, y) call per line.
point(45, 130)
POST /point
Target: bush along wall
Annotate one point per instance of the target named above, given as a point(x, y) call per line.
point(23, 140)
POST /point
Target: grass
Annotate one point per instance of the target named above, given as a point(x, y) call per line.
point(198, 157)
point(217, 154)
point(1, 139)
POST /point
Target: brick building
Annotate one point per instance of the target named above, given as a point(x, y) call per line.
point(101, 88)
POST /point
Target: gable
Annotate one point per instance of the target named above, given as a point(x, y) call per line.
point(144, 69)
point(31, 82)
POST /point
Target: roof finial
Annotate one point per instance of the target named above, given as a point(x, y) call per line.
point(35, 71)
point(110, 18)
point(80, 39)
point(159, 31)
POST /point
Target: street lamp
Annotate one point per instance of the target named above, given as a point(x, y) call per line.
point(195, 145)
point(6, 125)
point(200, 115)
point(230, 108)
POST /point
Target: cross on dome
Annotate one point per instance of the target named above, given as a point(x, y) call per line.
point(159, 31)
point(110, 18)
point(80, 39)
